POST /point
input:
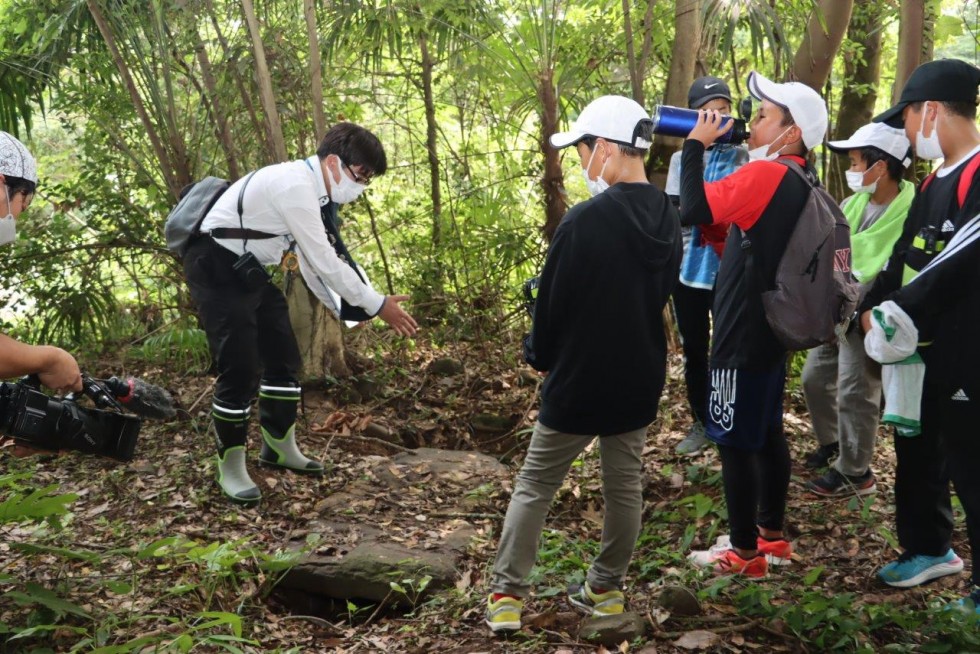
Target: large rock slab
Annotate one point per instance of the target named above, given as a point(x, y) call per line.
point(611, 630)
point(451, 466)
point(369, 569)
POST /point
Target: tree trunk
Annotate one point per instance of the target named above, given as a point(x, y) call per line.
point(163, 155)
point(636, 74)
point(318, 333)
point(264, 79)
point(431, 140)
point(552, 182)
point(933, 9)
point(687, 40)
point(910, 43)
point(316, 72)
point(860, 88)
point(213, 98)
point(243, 92)
point(824, 34)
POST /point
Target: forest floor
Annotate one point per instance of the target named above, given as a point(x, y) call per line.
point(150, 556)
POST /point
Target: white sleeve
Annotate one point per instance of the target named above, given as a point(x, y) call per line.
point(323, 270)
point(673, 185)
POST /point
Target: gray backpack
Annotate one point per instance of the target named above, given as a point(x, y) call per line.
point(815, 292)
point(185, 220)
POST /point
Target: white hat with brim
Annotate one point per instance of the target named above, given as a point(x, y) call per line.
point(804, 105)
point(611, 117)
point(877, 135)
point(15, 159)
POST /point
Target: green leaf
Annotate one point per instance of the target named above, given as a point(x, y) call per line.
point(812, 576)
point(65, 553)
point(219, 618)
point(36, 594)
point(159, 547)
point(119, 587)
point(41, 503)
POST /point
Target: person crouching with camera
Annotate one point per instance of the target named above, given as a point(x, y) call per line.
point(288, 208)
point(55, 368)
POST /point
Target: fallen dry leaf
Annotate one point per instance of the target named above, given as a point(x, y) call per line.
point(698, 639)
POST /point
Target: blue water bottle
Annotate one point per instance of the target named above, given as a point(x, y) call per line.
point(674, 121)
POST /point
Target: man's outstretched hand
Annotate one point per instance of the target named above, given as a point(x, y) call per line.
point(398, 318)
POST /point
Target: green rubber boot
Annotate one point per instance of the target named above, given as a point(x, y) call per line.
point(231, 432)
point(277, 416)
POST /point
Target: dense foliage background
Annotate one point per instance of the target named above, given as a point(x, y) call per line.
point(126, 101)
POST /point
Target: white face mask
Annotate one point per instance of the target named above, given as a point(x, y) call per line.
point(598, 185)
point(855, 182)
point(927, 147)
point(346, 190)
point(8, 224)
point(761, 153)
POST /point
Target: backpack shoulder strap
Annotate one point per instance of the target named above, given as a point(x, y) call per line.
point(966, 179)
point(799, 170)
point(242, 233)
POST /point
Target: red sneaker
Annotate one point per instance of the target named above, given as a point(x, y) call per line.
point(777, 552)
point(728, 562)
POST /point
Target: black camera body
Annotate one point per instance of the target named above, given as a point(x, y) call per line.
point(48, 423)
point(252, 274)
point(530, 291)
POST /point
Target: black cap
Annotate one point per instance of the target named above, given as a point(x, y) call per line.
point(943, 80)
point(705, 89)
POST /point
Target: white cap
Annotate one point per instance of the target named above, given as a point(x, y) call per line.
point(612, 117)
point(15, 159)
point(805, 105)
point(877, 135)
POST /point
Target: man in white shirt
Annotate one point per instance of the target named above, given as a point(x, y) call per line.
point(280, 208)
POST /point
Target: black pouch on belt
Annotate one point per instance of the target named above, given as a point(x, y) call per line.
point(251, 273)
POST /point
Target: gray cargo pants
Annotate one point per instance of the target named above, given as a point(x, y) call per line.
point(842, 386)
point(549, 456)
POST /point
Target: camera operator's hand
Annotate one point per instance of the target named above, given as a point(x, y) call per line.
point(54, 367)
point(709, 127)
point(60, 372)
point(398, 318)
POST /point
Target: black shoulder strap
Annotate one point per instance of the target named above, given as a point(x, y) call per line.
point(799, 170)
point(244, 234)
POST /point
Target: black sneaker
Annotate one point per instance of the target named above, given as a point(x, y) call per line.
point(837, 484)
point(822, 456)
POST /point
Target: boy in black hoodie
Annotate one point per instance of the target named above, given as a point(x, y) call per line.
point(598, 334)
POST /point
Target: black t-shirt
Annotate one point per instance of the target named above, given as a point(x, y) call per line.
point(763, 203)
point(944, 302)
point(598, 328)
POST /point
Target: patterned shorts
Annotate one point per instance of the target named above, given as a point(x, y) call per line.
point(744, 405)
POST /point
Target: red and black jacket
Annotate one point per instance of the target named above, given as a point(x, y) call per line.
point(764, 200)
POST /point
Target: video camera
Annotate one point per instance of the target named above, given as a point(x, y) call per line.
point(50, 423)
point(530, 291)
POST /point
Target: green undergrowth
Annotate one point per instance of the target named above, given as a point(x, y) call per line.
point(56, 594)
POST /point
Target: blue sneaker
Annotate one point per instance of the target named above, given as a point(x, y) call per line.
point(914, 569)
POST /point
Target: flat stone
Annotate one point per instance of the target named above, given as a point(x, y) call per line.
point(445, 367)
point(454, 465)
point(491, 423)
point(679, 601)
point(367, 572)
point(611, 630)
